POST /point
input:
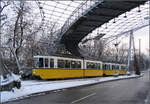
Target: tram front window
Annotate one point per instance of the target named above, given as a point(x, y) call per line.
point(36, 62)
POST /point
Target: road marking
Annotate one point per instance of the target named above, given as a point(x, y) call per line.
point(83, 98)
point(147, 100)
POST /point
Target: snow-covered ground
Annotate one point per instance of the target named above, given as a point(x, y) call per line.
point(10, 78)
point(33, 87)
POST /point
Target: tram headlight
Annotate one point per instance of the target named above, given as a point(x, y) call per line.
point(34, 71)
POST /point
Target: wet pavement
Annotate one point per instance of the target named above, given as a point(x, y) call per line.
point(129, 91)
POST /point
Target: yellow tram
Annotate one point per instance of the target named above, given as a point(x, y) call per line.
point(56, 67)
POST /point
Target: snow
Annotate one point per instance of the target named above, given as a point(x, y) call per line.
point(34, 87)
point(10, 78)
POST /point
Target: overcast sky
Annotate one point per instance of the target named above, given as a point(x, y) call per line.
point(142, 34)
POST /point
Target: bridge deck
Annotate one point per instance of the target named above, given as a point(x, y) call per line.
point(96, 17)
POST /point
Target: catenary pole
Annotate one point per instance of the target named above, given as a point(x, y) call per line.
point(129, 50)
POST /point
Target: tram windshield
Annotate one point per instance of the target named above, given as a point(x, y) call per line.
point(36, 62)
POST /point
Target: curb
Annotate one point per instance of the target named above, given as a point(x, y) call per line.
point(104, 82)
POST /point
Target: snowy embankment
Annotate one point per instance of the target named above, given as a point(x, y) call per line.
point(33, 87)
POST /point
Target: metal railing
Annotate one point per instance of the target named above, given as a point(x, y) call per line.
point(80, 11)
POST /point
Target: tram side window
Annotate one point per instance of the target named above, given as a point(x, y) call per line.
point(96, 66)
point(107, 67)
point(123, 67)
point(104, 66)
point(46, 62)
point(67, 64)
point(61, 63)
point(99, 66)
point(113, 67)
point(73, 64)
point(92, 65)
point(117, 66)
point(40, 62)
point(110, 68)
point(78, 64)
point(88, 65)
point(52, 63)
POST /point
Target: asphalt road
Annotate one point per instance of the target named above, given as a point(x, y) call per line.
point(131, 91)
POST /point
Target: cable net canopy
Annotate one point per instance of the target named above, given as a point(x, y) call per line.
point(65, 13)
point(57, 12)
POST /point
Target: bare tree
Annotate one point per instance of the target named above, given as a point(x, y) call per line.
point(22, 27)
point(3, 16)
point(48, 39)
point(92, 48)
